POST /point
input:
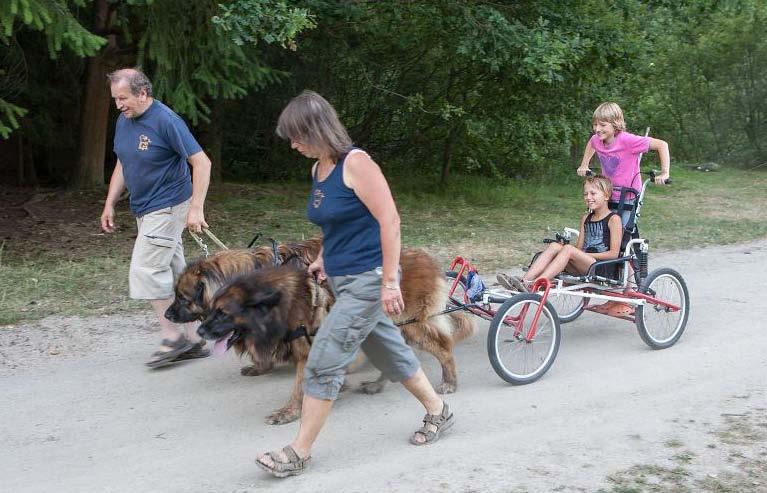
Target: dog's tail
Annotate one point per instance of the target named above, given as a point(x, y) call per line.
point(464, 326)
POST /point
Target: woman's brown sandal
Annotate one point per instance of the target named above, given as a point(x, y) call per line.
point(281, 469)
point(442, 422)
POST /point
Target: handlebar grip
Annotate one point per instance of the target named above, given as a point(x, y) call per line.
point(589, 172)
point(654, 173)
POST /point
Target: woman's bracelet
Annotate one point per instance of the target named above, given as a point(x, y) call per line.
point(393, 287)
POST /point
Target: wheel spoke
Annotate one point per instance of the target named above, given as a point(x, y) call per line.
point(660, 326)
point(515, 358)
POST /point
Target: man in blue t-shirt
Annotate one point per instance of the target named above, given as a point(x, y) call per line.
point(154, 149)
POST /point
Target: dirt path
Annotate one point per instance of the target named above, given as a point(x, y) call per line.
point(80, 413)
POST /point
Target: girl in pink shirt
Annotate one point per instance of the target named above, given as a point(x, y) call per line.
point(619, 150)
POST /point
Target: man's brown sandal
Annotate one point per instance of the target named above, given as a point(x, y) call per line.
point(164, 358)
point(281, 469)
point(197, 351)
point(442, 422)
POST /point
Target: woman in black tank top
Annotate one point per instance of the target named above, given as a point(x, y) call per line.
point(599, 239)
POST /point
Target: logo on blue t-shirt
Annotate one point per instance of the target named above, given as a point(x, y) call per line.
point(143, 142)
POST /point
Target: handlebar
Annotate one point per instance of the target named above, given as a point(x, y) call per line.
point(652, 174)
point(565, 237)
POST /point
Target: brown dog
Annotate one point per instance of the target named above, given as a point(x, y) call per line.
point(423, 288)
point(203, 277)
point(268, 314)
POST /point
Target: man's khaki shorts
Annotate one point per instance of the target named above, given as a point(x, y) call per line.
point(158, 254)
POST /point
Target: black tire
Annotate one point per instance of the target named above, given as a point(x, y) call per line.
point(658, 327)
point(503, 338)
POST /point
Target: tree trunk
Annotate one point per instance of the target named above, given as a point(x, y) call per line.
point(447, 154)
point(20, 164)
point(30, 172)
point(576, 151)
point(212, 139)
point(89, 170)
point(26, 174)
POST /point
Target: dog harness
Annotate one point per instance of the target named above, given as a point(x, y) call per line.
point(296, 333)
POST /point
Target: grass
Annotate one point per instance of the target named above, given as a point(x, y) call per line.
point(743, 469)
point(498, 225)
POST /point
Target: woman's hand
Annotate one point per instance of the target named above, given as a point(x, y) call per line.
point(317, 269)
point(391, 300)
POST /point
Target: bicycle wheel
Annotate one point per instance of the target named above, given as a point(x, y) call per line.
point(516, 357)
point(459, 294)
point(659, 326)
point(568, 307)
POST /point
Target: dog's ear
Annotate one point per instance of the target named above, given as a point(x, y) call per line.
point(199, 294)
point(265, 297)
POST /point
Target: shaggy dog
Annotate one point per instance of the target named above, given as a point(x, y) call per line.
point(268, 315)
point(203, 277)
point(424, 291)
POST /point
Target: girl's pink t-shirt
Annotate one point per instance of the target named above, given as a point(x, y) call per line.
point(620, 160)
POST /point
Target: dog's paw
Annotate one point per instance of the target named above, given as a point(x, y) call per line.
point(446, 388)
point(254, 370)
point(283, 416)
point(374, 387)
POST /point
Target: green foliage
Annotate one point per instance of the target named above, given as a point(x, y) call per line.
point(195, 51)
point(55, 19)
point(431, 88)
point(198, 52)
point(270, 21)
point(706, 83)
point(61, 29)
point(9, 114)
point(507, 89)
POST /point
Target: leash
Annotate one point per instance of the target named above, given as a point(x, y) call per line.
point(443, 312)
point(254, 240)
point(275, 252)
point(202, 244)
